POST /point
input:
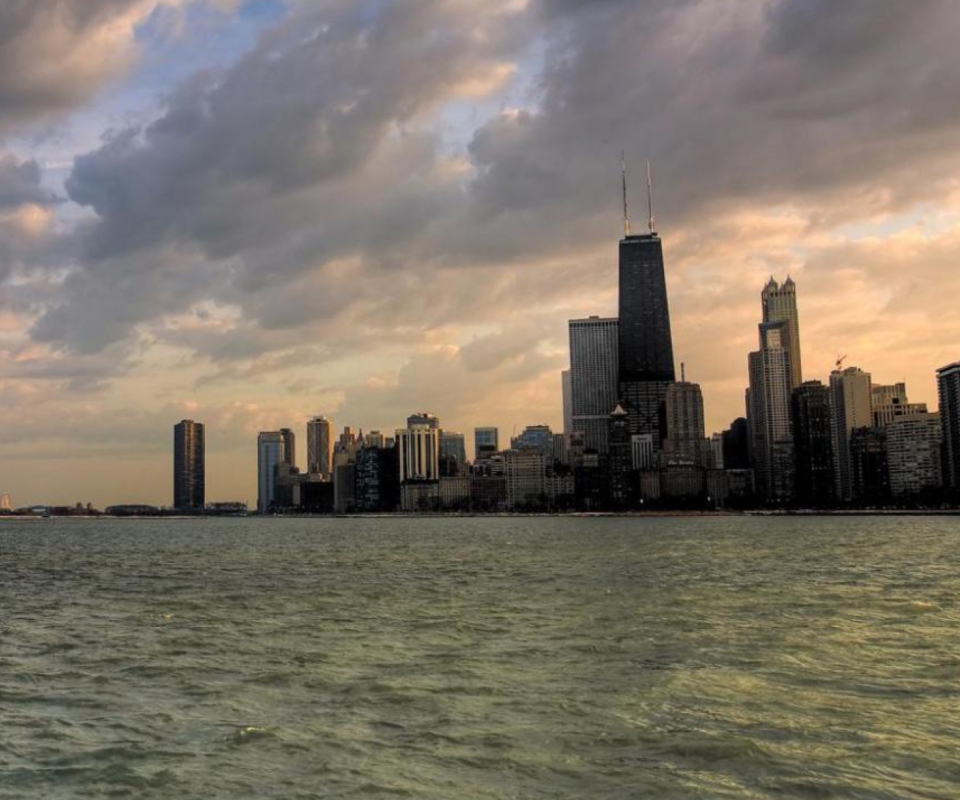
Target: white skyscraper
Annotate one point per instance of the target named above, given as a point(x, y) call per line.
point(419, 449)
point(780, 305)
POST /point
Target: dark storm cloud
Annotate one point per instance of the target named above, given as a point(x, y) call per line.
point(318, 147)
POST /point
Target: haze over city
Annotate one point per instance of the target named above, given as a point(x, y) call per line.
point(250, 213)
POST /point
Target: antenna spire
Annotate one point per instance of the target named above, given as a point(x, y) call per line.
point(623, 174)
point(650, 197)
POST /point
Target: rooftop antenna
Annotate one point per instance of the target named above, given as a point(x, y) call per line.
point(650, 196)
point(623, 174)
point(683, 372)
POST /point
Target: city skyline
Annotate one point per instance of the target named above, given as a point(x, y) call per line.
point(178, 241)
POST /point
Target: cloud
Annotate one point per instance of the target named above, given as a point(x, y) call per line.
point(322, 215)
point(56, 54)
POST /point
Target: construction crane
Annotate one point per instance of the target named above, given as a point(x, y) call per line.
point(840, 360)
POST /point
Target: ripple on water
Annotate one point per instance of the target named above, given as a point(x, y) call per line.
point(480, 658)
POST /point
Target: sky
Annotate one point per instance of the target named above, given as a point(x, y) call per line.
point(250, 213)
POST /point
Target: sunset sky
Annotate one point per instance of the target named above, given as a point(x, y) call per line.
point(248, 213)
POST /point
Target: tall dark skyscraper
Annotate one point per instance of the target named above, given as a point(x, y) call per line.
point(948, 389)
point(188, 466)
point(645, 344)
point(813, 444)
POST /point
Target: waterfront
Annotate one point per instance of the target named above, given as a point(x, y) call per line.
point(515, 657)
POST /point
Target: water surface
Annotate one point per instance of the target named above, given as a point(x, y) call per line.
point(480, 658)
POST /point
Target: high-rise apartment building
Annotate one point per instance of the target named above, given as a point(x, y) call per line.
point(594, 356)
point(779, 304)
point(645, 351)
point(814, 483)
point(913, 454)
point(270, 453)
point(320, 446)
point(869, 474)
point(188, 466)
point(948, 391)
point(768, 413)
point(850, 407)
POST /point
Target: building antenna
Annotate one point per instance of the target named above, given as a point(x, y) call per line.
point(650, 196)
point(623, 175)
point(683, 372)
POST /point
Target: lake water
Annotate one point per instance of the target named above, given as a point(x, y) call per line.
point(718, 657)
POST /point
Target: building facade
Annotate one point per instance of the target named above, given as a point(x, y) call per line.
point(289, 447)
point(453, 446)
point(779, 304)
point(320, 446)
point(645, 345)
point(418, 449)
point(851, 407)
point(594, 358)
point(768, 413)
point(814, 481)
point(948, 392)
point(685, 437)
point(485, 442)
point(189, 469)
point(269, 455)
point(913, 455)
point(537, 437)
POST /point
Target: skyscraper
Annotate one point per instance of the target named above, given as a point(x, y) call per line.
point(419, 448)
point(188, 466)
point(850, 407)
point(453, 453)
point(289, 447)
point(594, 344)
point(768, 413)
point(948, 391)
point(684, 423)
point(319, 446)
point(270, 453)
point(780, 305)
point(645, 351)
point(813, 445)
point(913, 455)
point(566, 391)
